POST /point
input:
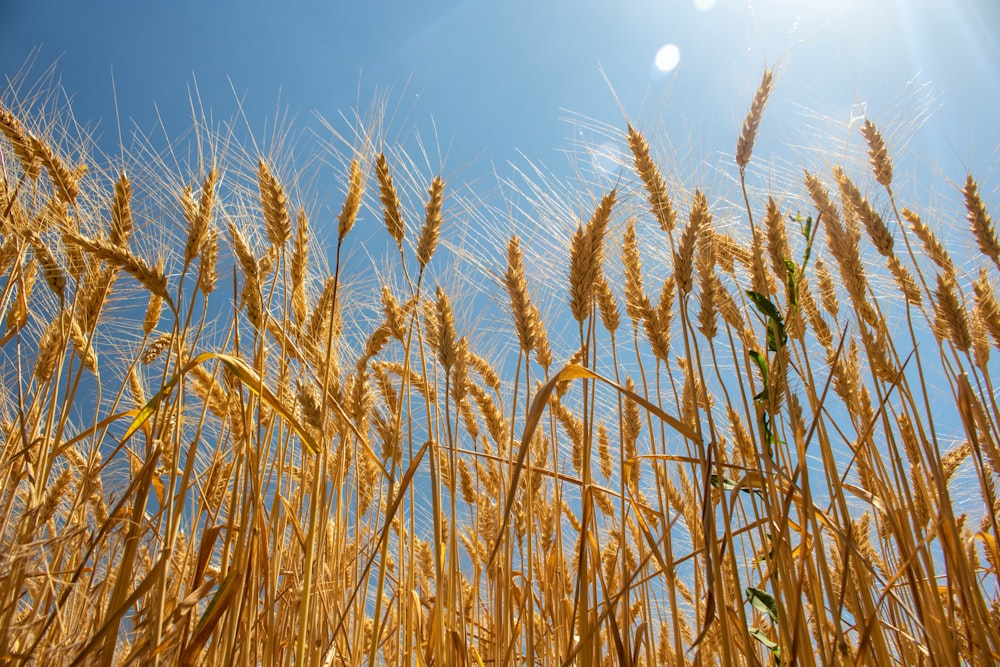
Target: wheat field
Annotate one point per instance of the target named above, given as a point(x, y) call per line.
point(743, 429)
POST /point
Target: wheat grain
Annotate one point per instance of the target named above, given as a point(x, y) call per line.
point(744, 145)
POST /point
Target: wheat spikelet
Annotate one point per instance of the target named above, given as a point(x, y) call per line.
point(980, 221)
point(22, 143)
point(980, 340)
point(274, 202)
point(121, 211)
point(207, 275)
point(460, 372)
point(242, 250)
point(390, 200)
point(951, 316)
point(581, 275)
point(53, 273)
point(352, 202)
point(744, 145)
point(987, 306)
point(49, 350)
point(827, 290)
point(877, 231)
point(521, 307)
point(84, 350)
point(586, 255)
point(604, 450)
point(932, 246)
point(204, 384)
point(153, 279)
point(432, 223)
point(485, 370)
point(606, 304)
point(199, 217)
point(300, 262)
point(496, 424)
point(65, 182)
point(156, 348)
point(636, 302)
point(881, 164)
point(95, 293)
point(395, 316)
point(904, 280)
point(684, 257)
point(153, 309)
point(446, 330)
point(662, 209)
point(843, 243)
point(375, 342)
point(709, 286)
point(656, 321)
point(777, 239)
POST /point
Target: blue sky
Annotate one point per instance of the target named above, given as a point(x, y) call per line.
point(499, 77)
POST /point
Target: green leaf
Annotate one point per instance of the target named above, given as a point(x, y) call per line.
point(770, 645)
point(727, 483)
point(792, 281)
point(762, 365)
point(776, 323)
point(763, 602)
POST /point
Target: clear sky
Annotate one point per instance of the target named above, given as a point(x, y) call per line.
point(500, 77)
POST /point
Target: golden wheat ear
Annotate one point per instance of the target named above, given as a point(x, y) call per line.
point(744, 145)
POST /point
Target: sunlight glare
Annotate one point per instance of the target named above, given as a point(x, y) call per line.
point(667, 58)
point(704, 5)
